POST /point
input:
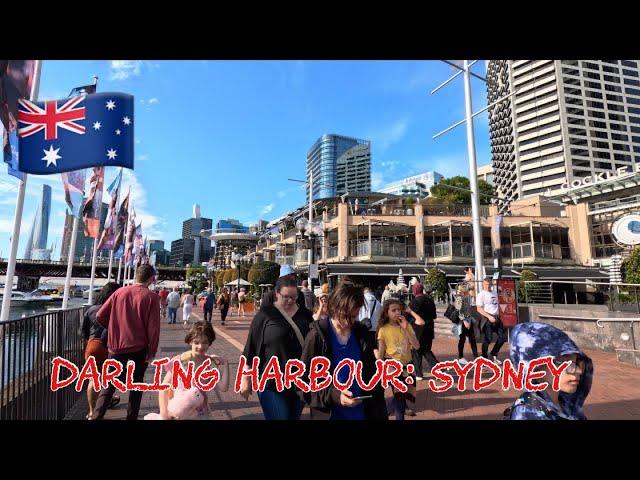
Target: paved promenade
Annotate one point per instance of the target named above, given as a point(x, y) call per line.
point(615, 394)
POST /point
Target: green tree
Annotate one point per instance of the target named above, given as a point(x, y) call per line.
point(438, 282)
point(631, 267)
point(527, 291)
point(263, 272)
point(220, 278)
point(229, 274)
point(440, 194)
point(197, 278)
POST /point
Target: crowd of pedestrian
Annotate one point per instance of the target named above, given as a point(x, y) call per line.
point(294, 322)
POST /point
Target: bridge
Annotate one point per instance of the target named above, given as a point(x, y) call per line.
point(42, 268)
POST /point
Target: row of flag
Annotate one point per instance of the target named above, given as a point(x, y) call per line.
point(87, 130)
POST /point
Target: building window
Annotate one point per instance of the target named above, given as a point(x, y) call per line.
point(599, 134)
point(613, 88)
point(617, 118)
point(630, 73)
point(579, 141)
point(578, 131)
point(592, 75)
point(621, 147)
point(617, 136)
point(621, 156)
point(571, 81)
point(634, 119)
point(597, 144)
point(575, 121)
point(574, 101)
point(614, 98)
point(629, 63)
point(594, 94)
point(578, 151)
point(596, 114)
point(592, 66)
point(602, 155)
point(618, 126)
point(570, 71)
point(609, 69)
point(611, 79)
point(594, 104)
point(631, 81)
point(632, 91)
point(615, 107)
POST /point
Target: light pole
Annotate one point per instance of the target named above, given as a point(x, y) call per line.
point(237, 258)
point(312, 230)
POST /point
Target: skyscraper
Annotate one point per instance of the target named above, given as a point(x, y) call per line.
point(37, 239)
point(192, 248)
point(353, 170)
point(322, 160)
point(569, 119)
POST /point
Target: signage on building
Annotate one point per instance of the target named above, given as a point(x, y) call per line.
point(508, 302)
point(626, 229)
point(597, 178)
point(313, 271)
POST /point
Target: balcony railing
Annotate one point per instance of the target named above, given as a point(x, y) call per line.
point(453, 210)
point(540, 250)
point(286, 260)
point(333, 251)
point(383, 249)
point(456, 249)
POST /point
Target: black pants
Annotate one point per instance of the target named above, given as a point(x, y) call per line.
point(207, 315)
point(134, 397)
point(467, 333)
point(223, 314)
point(488, 330)
point(425, 335)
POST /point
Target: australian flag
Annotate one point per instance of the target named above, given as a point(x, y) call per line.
point(74, 133)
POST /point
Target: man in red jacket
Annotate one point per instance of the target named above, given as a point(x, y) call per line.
point(132, 317)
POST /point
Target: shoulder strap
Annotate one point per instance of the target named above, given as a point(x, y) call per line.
point(293, 325)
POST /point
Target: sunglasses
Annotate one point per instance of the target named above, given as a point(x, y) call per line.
point(573, 365)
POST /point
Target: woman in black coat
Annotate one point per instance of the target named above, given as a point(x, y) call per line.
point(338, 337)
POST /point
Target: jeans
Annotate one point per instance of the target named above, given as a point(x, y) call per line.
point(135, 397)
point(223, 314)
point(207, 315)
point(172, 314)
point(488, 330)
point(280, 406)
point(425, 335)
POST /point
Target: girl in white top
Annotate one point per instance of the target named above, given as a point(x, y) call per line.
point(187, 306)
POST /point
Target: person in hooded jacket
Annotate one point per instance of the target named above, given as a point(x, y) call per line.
point(339, 337)
point(535, 340)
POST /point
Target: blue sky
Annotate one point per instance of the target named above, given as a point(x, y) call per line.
point(228, 134)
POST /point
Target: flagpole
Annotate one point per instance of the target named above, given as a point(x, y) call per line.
point(119, 267)
point(72, 251)
point(110, 265)
point(95, 240)
point(17, 219)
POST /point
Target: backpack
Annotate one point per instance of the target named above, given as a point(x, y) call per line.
point(367, 320)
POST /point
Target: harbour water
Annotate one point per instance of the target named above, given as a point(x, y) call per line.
point(22, 312)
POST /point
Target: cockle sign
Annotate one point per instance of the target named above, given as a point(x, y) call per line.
point(597, 178)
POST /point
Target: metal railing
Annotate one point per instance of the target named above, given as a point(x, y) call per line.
point(540, 250)
point(288, 260)
point(453, 210)
point(623, 297)
point(27, 347)
point(455, 248)
point(379, 248)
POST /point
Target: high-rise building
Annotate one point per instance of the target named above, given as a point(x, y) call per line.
point(192, 248)
point(155, 245)
point(231, 225)
point(414, 186)
point(568, 119)
point(485, 172)
point(322, 160)
point(84, 245)
point(37, 239)
point(353, 170)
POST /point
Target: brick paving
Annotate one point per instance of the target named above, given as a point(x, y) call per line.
point(615, 394)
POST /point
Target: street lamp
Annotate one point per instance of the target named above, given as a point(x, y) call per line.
point(237, 258)
point(313, 229)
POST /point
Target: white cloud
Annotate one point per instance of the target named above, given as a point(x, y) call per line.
point(143, 157)
point(376, 180)
point(152, 225)
point(153, 100)
point(382, 140)
point(267, 209)
point(123, 69)
point(448, 165)
point(6, 225)
point(282, 194)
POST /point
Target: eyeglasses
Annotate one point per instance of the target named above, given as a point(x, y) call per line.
point(287, 297)
point(573, 365)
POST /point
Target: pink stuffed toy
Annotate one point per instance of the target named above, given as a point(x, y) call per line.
point(186, 404)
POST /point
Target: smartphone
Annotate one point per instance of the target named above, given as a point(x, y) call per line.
point(362, 397)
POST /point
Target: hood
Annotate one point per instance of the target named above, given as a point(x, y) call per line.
point(369, 296)
point(534, 340)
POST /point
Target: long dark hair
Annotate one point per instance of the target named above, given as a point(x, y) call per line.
point(384, 316)
point(104, 294)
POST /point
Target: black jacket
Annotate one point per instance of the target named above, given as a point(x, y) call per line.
point(317, 343)
point(424, 306)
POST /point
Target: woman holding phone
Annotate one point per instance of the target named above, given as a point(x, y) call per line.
point(337, 337)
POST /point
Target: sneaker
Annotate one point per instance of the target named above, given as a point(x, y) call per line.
point(496, 360)
point(419, 378)
point(463, 361)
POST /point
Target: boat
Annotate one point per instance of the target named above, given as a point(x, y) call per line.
point(33, 299)
point(85, 294)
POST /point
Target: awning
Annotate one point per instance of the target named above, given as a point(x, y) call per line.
point(565, 273)
point(372, 269)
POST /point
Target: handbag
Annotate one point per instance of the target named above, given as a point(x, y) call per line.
point(452, 314)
